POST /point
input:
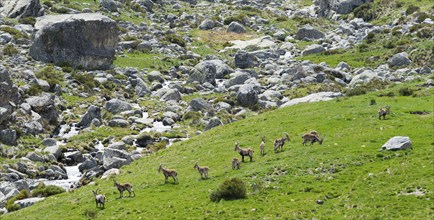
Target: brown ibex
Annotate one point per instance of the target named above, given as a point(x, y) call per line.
point(168, 173)
point(262, 145)
point(278, 143)
point(235, 163)
point(382, 112)
point(313, 137)
point(99, 198)
point(122, 187)
point(244, 152)
point(203, 171)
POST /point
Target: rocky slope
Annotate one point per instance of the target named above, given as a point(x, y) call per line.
point(200, 64)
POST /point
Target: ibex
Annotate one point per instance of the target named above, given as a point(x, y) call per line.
point(382, 112)
point(99, 198)
point(278, 143)
point(123, 187)
point(244, 152)
point(168, 173)
point(235, 163)
point(313, 137)
point(203, 171)
point(262, 146)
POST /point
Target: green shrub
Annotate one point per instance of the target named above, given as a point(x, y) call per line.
point(173, 38)
point(156, 146)
point(10, 50)
point(356, 91)
point(411, 9)
point(130, 38)
point(238, 18)
point(230, 190)
point(10, 206)
point(281, 19)
point(45, 191)
point(425, 33)
point(86, 80)
point(421, 17)
point(362, 47)
point(14, 32)
point(51, 75)
point(28, 20)
point(405, 91)
point(48, 4)
point(60, 10)
point(365, 12)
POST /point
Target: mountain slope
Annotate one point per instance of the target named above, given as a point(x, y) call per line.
point(366, 183)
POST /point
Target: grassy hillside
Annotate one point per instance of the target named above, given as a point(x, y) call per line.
point(366, 183)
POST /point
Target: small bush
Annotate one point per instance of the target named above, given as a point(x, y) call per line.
point(51, 75)
point(425, 33)
point(173, 38)
point(365, 12)
point(14, 32)
point(421, 17)
point(90, 213)
point(230, 190)
point(45, 191)
point(10, 50)
point(411, 9)
point(356, 91)
point(405, 91)
point(372, 102)
point(238, 18)
point(28, 20)
point(48, 4)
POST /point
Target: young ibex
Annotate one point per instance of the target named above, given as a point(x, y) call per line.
point(203, 171)
point(382, 112)
point(278, 143)
point(99, 198)
point(313, 137)
point(122, 187)
point(244, 152)
point(262, 146)
point(235, 163)
point(168, 173)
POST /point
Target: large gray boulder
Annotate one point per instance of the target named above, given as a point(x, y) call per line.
point(398, 143)
point(9, 95)
point(312, 49)
point(307, 32)
point(115, 106)
point(44, 105)
point(236, 27)
point(237, 78)
point(8, 136)
point(213, 122)
point(207, 24)
point(93, 112)
point(247, 95)
point(245, 60)
point(399, 59)
point(88, 164)
point(328, 7)
point(85, 40)
point(204, 71)
point(113, 158)
point(21, 8)
point(199, 104)
point(28, 202)
point(110, 5)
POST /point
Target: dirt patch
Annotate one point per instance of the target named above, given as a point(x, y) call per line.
point(420, 113)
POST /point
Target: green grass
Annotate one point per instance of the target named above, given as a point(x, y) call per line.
point(146, 60)
point(367, 184)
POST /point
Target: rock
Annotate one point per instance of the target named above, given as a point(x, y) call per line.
point(398, 143)
point(307, 32)
point(113, 158)
point(207, 24)
point(54, 150)
point(236, 27)
point(75, 157)
point(247, 95)
point(365, 76)
point(316, 97)
point(21, 8)
point(213, 122)
point(312, 49)
point(128, 140)
point(9, 95)
point(399, 59)
point(118, 146)
point(110, 173)
point(116, 106)
point(144, 140)
point(85, 40)
point(93, 112)
point(199, 104)
point(110, 5)
point(8, 137)
point(325, 7)
point(155, 76)
point(245, 60)
point(119, 122)
point(88, 164)
point(204, 71)
point(141, 88)
point(28, 202)
point(35, 157)
point(170, 94)
point(237, 78)
point(44, 105)
point(49, 142)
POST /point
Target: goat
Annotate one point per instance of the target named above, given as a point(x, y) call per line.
point(123, 187)
point(203, 171)
point(278, 143)
point(262, 146)
point(244, 152)
point(99, 198)
point(382, 112)
point(313, 137)
point(235, 163)
point(168, 172)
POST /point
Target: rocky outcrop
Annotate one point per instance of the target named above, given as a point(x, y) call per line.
point(21, 8)
point(84, 40)
point(326, 8)
point(9, 96)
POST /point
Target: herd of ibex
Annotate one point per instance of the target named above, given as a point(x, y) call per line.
point(312, 137)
